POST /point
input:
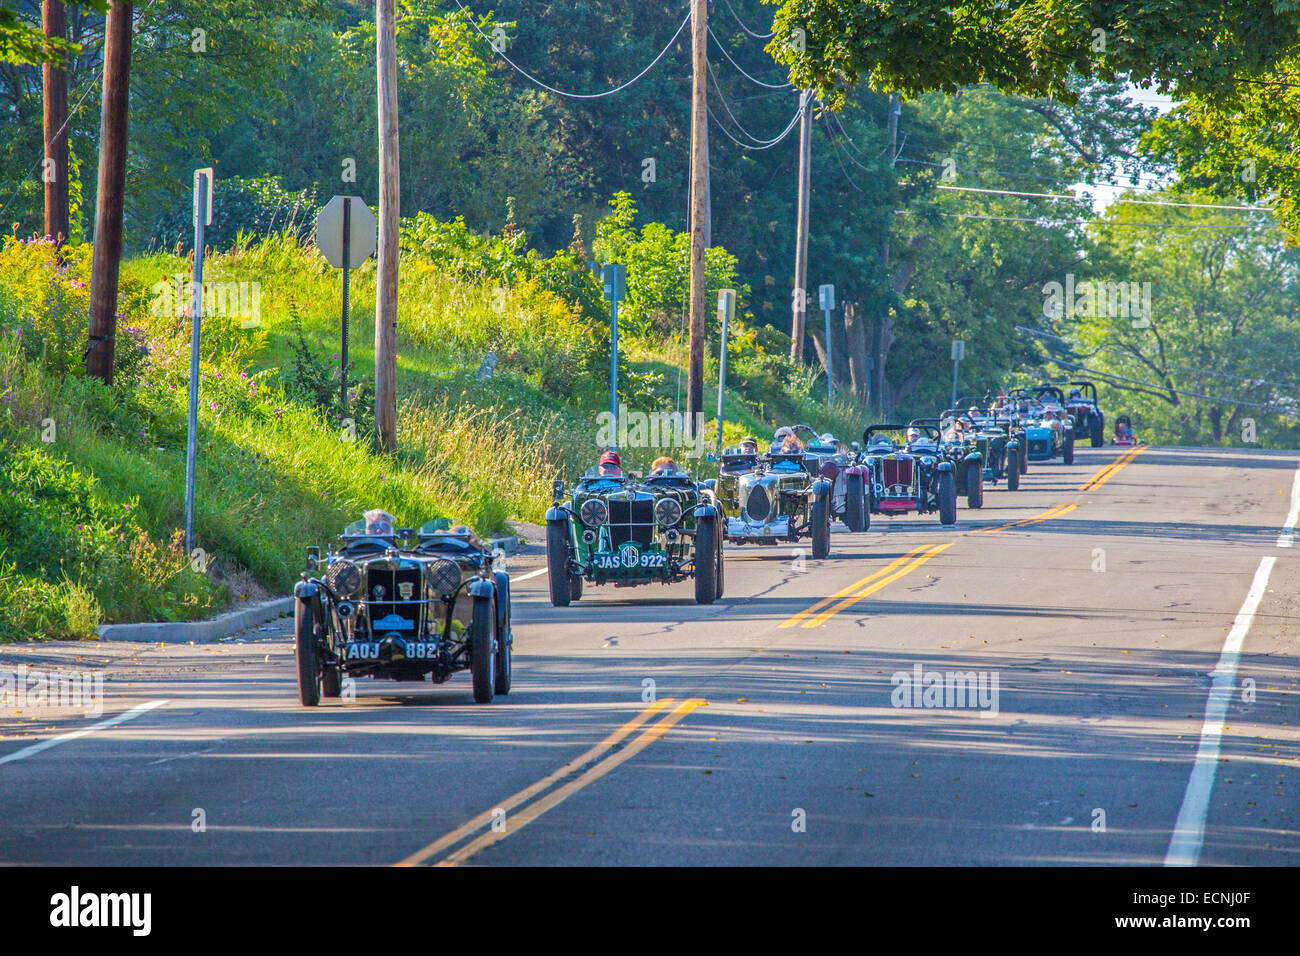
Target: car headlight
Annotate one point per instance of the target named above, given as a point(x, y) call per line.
point(442, 576)
point(668, 511)
point(593, 513)
point(344, 577)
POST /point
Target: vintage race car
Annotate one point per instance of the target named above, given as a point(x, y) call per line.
point(958, 447)
point(776, 497)
point(1049, 429)
point(830, 460)
point(908, 477)
point(630, 530)
point(1123, 432)
point(1088, 417)
point(401, 606)
point(998, 439)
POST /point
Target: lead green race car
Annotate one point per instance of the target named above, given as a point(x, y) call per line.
point(625, 530)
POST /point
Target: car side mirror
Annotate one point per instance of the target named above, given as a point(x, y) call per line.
point(558, 489)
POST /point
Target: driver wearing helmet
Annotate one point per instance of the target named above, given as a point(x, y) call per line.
point(611, 466)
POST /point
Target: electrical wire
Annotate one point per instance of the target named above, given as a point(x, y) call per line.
point(756, 36)
point(717, 88)
point(771, 86)
point(793, 123)
point(1184, 368)
point(1177, 391)
point(1077, 222)
point(577, 96)
point(1136, 202)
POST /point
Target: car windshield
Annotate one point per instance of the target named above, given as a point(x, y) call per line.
point(436, 526)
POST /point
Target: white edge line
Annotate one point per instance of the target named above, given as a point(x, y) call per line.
point(1287, 538)
point(530, 574)
point(1189, 830)
point(62, 738)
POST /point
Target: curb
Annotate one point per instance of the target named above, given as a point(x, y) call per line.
point(199, 631)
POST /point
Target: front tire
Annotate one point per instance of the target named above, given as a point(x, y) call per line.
point(557, 563)
point(504, 660)
point(1013, 469)
point(304, 630)
point(855, 503)
point(1097, 431)
point(575, 587)
point(975, 484)
point(482, 657)
point(947, 498)
point(722, 565)
point(820, 519)
point(1067, 451)
point(706, 561)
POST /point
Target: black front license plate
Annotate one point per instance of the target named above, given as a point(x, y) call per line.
point(405, 650)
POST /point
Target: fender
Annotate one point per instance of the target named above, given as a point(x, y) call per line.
point(856, 470)
point(558, 513)
point(821, 487)
point(944, 467)
point(705, 510)
point(306, 590)
point(503, 602)
point(481, 588)
point(974, 456)
point(1013, 443)
point(710, 483)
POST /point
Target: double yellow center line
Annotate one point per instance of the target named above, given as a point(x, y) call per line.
point(827, 608)
point(1107, 473)
point(499, 822)
point(1045, 516)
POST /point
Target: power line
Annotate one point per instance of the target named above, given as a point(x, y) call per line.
point(1184, 368)
point(717, 88)
point(1136, 202)
point(771, 86)
point(576, 96)
point(1177, 391)
point(1076, 222)
point(756, 36)
point(768, 144)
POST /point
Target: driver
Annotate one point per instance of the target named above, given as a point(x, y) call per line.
point(913, 434)
point(379, 522)
point(788, 442)
point(610, 466)
point(749, 445)
point(663, 465)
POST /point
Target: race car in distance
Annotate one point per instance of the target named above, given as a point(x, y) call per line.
point(827, 457)
point(777, 496)
point(907, 472)
point(399, 604)
point(626, 530)
point(1049, 430)
point(1081, 403)
point(998, 439)
point(958, 447)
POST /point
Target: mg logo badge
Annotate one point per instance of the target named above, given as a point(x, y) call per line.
point(629, 554)
point(406, 589)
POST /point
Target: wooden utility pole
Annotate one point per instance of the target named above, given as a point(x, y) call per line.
point(799, 296)
point(879, 330)
point(699, 208)
point(108, 200)
point(389, 208)
point(55, 81)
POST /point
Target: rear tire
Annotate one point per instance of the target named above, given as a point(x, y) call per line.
point(706, 561)
point(575, 587)
point(1067, 451)
point(557, 562)
point(1024, 456)
point(722, 565)
point(504, 663)
point(1013, 469)
point(947, 498)
point(855, 503)
point(482, 659)
point(304, 631)
point(820, 519)
point(975, 484)
point(331, 682)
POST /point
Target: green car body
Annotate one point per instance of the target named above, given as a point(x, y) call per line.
point(629, 531)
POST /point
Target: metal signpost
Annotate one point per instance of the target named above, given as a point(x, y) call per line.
point(726, 312)
point(202, 218)
point(614, 276)
point(958, 353)
point(346, 234)
point(826, 299)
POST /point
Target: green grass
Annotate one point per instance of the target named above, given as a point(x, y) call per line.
point(275, 473)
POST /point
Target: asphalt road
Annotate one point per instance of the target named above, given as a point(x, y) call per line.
point(1119, 622)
